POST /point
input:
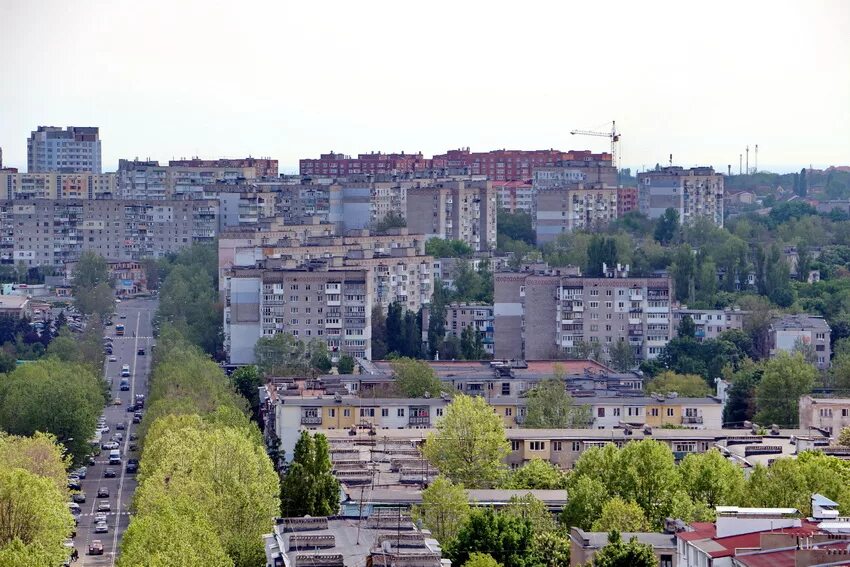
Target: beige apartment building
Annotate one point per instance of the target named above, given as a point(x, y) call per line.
point(693, 193)
point(329, 304)
point(16, 186)
point(148, 180)
point(577, 206)
point(828, 414)
point(541, 315)
point(455, 210)
point(50, 232)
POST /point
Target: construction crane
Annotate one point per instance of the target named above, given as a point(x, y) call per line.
point(613, 135)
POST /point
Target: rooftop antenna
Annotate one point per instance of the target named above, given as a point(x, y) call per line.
point(757, 158)
point(671, 160)
point(729, 170)
point(748, 160)
point(740, 163)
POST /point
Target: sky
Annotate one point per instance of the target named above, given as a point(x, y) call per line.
point(168, 79)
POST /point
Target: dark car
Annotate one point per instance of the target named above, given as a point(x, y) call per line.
point(134, 437)
point(96, 547)
point(103, 492)
point(121, 426)
point(141, 352)
point(134, 447)
point(109, 473)
point(79, 498)
point(131, 467)
point(137, 419)
point(131, 409)
point(74, 483)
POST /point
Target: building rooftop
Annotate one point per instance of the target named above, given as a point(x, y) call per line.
point(800, 321)
point(599, 540)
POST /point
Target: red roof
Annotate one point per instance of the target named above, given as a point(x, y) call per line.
point(786, 557)
point(726, 546)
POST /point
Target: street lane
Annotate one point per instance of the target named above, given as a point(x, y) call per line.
point(138, 315)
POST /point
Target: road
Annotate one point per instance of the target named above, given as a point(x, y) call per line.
point(136, 315)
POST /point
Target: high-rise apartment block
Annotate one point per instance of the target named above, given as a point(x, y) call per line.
point(16, 186)
point(50, 232)
point(455, 210)
point(147, 180)
point(263, 167)
point(515, 196)
point(333, 305)
point(519, 165)
point(627, 200)
point(541, 315)
point(578, 206)
point(693, 193)
point(341, 165)
point(75, 149)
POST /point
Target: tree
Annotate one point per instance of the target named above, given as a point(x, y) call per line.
point(40, 454)
point(785, 379)
point(281, 354)
point(621, 356)
point(687, 328)
point(802, 184)
point(481, 560)
point(441, 248)
point(471, 344)
point(710, 478)
point(444, 509)
point(91, 270)
point(345, 364)
point(379, 333)
point(550, 549)
point(469, 443)
point(531, 509)
point(617, 514)
point(537, 474)
point(621, 554)
point(321, 362)
point(413, 378)
point(667, 226)
point(585, 498)
point(395, 328)
point(63, 399)
point(602, 251)
point(806, 349)
point(550, 406)
point(584, 350)
point(645, 472)
point(35, 519)
point(167, 537)
point(506, 538)
point(515, 226)
point(247, 381)
point(392, 219)
point(687, 385)
point(309, 486)
point(844, 437)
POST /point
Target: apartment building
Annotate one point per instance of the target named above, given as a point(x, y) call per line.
point(263, 167)
point(51, 149)
point(515, 196)
point(398, 267)
point(541, 315)
point(341, 165)
point(459, 316)
point(584, 546)
point(51, 232)
point(788, 332)
point(827, 414)
point(709, 323)
point(693, 193)
point(148, 180)
point(16, 186)
point(577, 206)
point(317, 302)
point(455, 210)
point(627, 200)
point(518, 165)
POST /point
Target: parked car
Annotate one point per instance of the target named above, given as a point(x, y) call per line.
point(141, 352)
point(117, 402)
point(137, 419)
point(79, 497)
point(81, 472)
point(103, 492)
point(121, 426)
point(113, 359)
point(73, 483)
point(134, 447)
point(131, 468)
point(96, 547)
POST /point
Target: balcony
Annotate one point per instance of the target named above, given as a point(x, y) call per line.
point(311, 420)
point(419, 420)
point(692, 420)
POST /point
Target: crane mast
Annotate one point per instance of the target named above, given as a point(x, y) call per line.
point(613, 135)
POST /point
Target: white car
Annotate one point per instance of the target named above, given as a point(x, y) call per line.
point(101, 528)
point(113, 359)
point(104, 428)
point(99, 517)
point(109, 446)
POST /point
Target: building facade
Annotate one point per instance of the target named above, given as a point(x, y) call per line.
point(51, 232)
point(828, 414)
point(578, 206)
point(328, 304)
point(263, 167)
point(693, 193)
point(51, 149)
point(515, 196)
point(790, 332)
point(16, 186)
point(148, 180)
point(459, 316)
point(516, 165)
point(709, 323)
point(627, 200)
point(543, 315)
point(341, 165)
point(455, 210)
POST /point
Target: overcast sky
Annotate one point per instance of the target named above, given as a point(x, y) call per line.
point(176, 78)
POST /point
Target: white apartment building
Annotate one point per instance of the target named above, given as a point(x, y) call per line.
point(51, 149)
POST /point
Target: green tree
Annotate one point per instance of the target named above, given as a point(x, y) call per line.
point(585, 498)
point(587, 350)
point(710, 478)
point(621, 554)
point(471, 344)
point(687, 328)
point(785, 379)
point(413, 378)
point(621, 356)
point(321, 362)
point(740, 403)
point(35, 519)
point(537, 474)
point(441, 248)
point(40, 454)
point(91, 270)
point(481, 560)
point(550, 406)
point(345, 364)
point(379, 333)
point(844, 437)
point(392, 219)
point(645, 472)
point(533, 510)
point(63, 399)
point(687, 385)
point(395, 328)
point(247, 381)
point(617, 514)
point(469, 443)
point(444, 509)
point(309, 486)
point(507, 538)
point(550, 549)
point(602, 251)
point(282, 354)
point(667, 226)
point(515, 226)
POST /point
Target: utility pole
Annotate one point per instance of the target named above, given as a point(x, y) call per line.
point(757, 158)
point(740, 163)
point(748, 160)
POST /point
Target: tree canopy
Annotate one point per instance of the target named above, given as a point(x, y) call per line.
point(309, 486)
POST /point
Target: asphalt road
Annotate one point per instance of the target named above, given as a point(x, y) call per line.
point(138, 334)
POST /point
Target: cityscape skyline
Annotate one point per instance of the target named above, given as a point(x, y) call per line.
point(248, 96)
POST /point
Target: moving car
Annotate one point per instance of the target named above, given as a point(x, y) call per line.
point(121, 426)
point(74, 508)
point(113, 359)
point(114, 457)
point(100, 517)
point(96, 547)
point(137, 419)
point(104, 506)
point(109, 473)
point(103, 492)
point(116, 402)
point(101, 528)
point(109, 446)
point(141, 352)
point(125, 371)
point(132, 467)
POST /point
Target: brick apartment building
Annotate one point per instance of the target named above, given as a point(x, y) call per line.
point(542, 315)
point(341, 165)
point(513, 165)
point(627, 200)
point(263, 167)
point(16, 186)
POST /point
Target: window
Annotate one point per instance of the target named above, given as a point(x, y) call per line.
point(515, 445)
point(346, 413)
point(653, 412)
point(669, 412)
point(616, 412)
point(506, 388)
point(537, 445)
point(600, 412)
point(557, 446)
point(331, 412)
point(439, 412)
point(576, 446)
point(400, 412)
point(367, 412)
point(509, 412)
point(385, 412)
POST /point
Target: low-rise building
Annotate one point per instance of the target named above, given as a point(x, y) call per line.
point(627, 200)
point(709, 323)
point(826, 414)
point(790, 332)
point(584, 545)
point(15, 306)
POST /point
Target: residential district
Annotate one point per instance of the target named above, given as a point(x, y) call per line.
point(508, 357)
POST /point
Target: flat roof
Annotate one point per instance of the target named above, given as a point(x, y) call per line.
point(657, 540)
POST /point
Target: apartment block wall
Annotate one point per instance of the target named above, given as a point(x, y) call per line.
point(51, 232)
point(16, 186)
point(693, 193)
point(828, 414)
point(73, 149)
point(456, 210)
point(575, 207)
